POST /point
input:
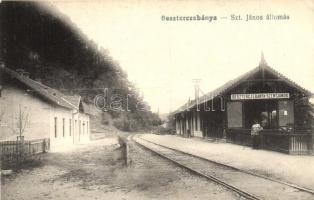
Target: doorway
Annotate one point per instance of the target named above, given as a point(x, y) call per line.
point(265, 112)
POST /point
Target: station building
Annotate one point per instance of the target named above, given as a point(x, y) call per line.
point(264, 95)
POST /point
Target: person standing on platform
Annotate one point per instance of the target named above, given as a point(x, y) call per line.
point(255, 134)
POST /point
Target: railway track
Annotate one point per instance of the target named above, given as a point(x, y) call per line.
point(245, 184)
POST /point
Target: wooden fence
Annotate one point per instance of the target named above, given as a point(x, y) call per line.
point(295, 142)
point(17, 151)
point(300, 144)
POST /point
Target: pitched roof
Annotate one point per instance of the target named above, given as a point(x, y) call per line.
point(233, 83)
point(90, 109)
point(50, 94)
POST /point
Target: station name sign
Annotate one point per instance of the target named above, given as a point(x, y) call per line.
point(260, 96)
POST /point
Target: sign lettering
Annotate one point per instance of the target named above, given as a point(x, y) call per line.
point(260, 96)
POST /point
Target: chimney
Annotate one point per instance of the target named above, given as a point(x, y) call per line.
point(38, 80)
point(20, 71)
point(26, 74)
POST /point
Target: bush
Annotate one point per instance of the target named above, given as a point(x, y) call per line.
point(131, 122)
point(121, 124)
point(106, 119)
point(163, 130)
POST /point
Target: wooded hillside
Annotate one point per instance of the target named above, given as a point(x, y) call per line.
point(54, 51)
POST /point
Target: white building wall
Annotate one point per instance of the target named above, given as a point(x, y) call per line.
point(85, 127)
point(11, 100)
point(80, 128)
point(198, 132)
point(62, 136)
point(177, 126)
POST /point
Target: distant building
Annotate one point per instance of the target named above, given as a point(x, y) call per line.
point(47, 112)
point(280, 105)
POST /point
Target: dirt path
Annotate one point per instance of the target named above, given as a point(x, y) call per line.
point(98, 171)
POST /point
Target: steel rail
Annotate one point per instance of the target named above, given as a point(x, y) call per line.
point(209, 177)
point(237, 169)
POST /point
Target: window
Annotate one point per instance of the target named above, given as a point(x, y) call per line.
point(55, 125)
point(87, 127)
point(70, 127)
point(83, 127)
point(80, 130)
point(285, 115)
point(63, 130)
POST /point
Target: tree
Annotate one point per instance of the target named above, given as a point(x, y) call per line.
point(21, 122)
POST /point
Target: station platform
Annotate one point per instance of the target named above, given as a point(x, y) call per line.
point(298, 170)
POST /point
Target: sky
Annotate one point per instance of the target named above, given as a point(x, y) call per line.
point(163, 57)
